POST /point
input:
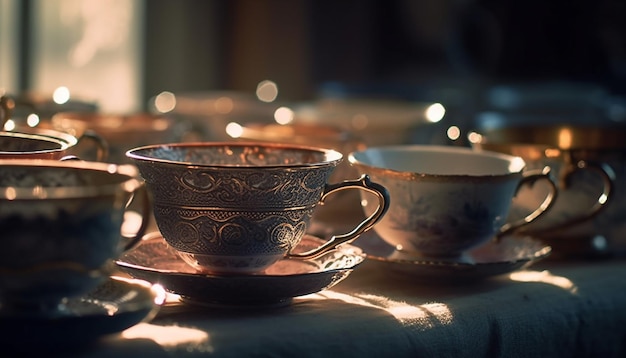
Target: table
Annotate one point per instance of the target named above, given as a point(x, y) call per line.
point(554, 308)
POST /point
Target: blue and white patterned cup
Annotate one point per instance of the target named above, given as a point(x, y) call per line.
point(60, 227)
point(446, 200)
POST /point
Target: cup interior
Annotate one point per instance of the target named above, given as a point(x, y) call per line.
point(14, 142)
point(437, 160)
point(235, 154)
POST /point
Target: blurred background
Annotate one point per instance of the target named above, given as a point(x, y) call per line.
point(345, 74)
point(465, 54)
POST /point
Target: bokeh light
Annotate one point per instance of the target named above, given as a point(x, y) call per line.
point(474, 137)
point(267, 91)
point(32, 120)
point(235, 130)
point(9, 125)
point(435, 112)
point(165, 102)
point(453, 132)
point(283, 115)
point(61, 95)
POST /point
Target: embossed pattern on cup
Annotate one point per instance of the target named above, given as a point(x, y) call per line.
point(237, 207)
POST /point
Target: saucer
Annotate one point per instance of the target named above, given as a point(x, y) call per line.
point(509, 254)
point(117, 304)
point(155, 261)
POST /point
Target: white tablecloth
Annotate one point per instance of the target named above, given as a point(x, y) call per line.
point(566, 309)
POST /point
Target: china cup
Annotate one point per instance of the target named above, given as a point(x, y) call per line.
point(60, 227)
point(239, 207)
point(444, 200)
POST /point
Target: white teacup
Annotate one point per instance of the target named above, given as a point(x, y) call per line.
point(446, 200)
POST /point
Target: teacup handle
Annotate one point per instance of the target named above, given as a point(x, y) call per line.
point(605, 172)
point(141, 193)
point(363, 183)
point(102, 146)
point(529, 178)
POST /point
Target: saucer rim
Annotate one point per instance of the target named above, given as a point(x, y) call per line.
point(142, 307)
point(356, 252)
point(543, 251)
point(262, 291)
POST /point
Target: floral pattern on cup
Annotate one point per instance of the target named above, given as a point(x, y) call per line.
point(446, 200)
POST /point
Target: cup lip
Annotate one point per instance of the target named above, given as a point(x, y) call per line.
point(43, 136)
point(130, 184)
point(517, 164)
point(332, 156)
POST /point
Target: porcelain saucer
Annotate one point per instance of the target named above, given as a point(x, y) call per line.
point(117, 304)
point(155, 261)
point(509, 254)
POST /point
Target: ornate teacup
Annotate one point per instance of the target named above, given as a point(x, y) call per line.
point(239, 207)
point(446, 200)
point(60, 227)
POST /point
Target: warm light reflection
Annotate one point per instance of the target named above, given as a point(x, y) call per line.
point(32, 120)
point(453, 132)
point(426, 315)
point(517, 164)
point(267, 91)
point(435, 112)
point(234, 130)
point(61, 95)
point(39, 192)
point(565, 138)
point(165, 102)
point(10, 193)
point(545, 277)
point(9, 125)
point(552, 153)
point(474, 137)
point(283, 115)
point(170, 336)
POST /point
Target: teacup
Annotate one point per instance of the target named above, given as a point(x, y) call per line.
point(239, 207)
point(60, 227)
point(589, 215)
point(447, 200)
